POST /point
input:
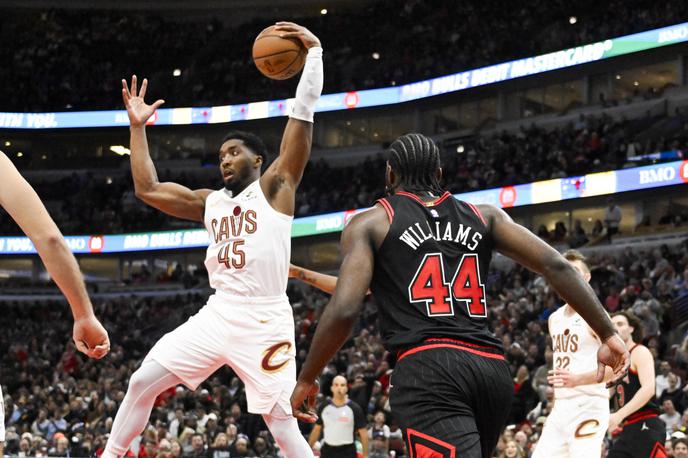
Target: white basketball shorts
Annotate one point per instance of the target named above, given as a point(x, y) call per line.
point(574, 429)
point(254, 336)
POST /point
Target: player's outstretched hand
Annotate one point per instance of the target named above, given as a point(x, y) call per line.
point(613, 353)
point(562, 378)
point(139, 112)
point(303, 401)
point(90, 337)
point(291, 30)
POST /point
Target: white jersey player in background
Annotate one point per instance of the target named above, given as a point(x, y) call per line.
point(248, 322)
point(578, 422)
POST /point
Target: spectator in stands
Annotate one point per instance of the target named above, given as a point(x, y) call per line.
point(612, 218)
point(513, 450)
point(220, 447)
point(662, 379)
point(379, 426)
point(543, 408)
point(578, 237)
point(679, 448)
point(674, 392)
point(670, 417)
point(525, 396)
point(378, 445)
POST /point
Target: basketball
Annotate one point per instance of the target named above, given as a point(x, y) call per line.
point(278, 58)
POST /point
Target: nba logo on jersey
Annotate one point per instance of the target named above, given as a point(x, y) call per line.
point(434, 213)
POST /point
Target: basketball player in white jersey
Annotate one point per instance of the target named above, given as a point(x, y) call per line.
point(578, 422)
point(248, 322)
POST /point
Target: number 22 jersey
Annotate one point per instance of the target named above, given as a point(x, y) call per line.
point(430, 272)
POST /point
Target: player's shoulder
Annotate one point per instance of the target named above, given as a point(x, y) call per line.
point(367, 219)
point(640, 349)
point(354, 406)
point(559, 315)
point(212, 195)
point(640, 353)
point(324, 405)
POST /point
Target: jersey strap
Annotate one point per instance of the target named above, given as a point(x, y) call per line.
point(388, 208)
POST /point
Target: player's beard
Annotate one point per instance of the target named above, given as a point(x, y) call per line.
point(239, 182)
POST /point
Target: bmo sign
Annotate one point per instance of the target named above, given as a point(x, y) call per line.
point(658, 175)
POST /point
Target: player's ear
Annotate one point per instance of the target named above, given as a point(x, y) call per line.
point(391, 176)
point(258, 163)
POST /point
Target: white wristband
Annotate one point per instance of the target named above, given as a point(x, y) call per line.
point(310, 86)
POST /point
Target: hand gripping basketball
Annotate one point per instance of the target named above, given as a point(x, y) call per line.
point(613, 353)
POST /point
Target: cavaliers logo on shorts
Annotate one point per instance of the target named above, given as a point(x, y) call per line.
point(273, 353)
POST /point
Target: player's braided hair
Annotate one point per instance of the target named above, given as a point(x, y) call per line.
point(416, 158)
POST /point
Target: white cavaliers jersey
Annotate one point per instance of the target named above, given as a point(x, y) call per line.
point(250, 244)
point(575, 348)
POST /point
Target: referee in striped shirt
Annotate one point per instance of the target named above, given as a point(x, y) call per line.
point(339, 419)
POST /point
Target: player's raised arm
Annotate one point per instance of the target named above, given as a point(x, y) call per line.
point(341, 313)
point(524, 247)
point(171, 198)
point(26, 208)
point(295, 150)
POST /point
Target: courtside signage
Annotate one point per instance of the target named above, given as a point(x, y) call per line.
point(368, 98)
point(594, 184)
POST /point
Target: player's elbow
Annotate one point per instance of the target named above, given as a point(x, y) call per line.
point(144, 195)
point(54, 240)
point(49, 242)
point(555, 267)
point(346, 312)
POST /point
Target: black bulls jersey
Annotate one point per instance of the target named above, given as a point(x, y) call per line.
point(430, 272)
point(627, 388)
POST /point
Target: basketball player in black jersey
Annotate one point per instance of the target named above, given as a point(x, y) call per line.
point(425, 256)
point(638, 413)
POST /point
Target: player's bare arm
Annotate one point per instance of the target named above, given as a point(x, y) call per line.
point(360, 240)
point(563, 378)
point(518, 243)
point(324, 282)
point(363, 436)
point(280, 180)
point(315, 435)
point(171, 198)
point(25, 207)
point(643, 363)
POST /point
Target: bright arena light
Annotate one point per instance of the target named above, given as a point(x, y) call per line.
point(177, 72)
point(121, 150)
point(459, 149)
point(376, 55)
point(573, 20)
point(323, 11)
